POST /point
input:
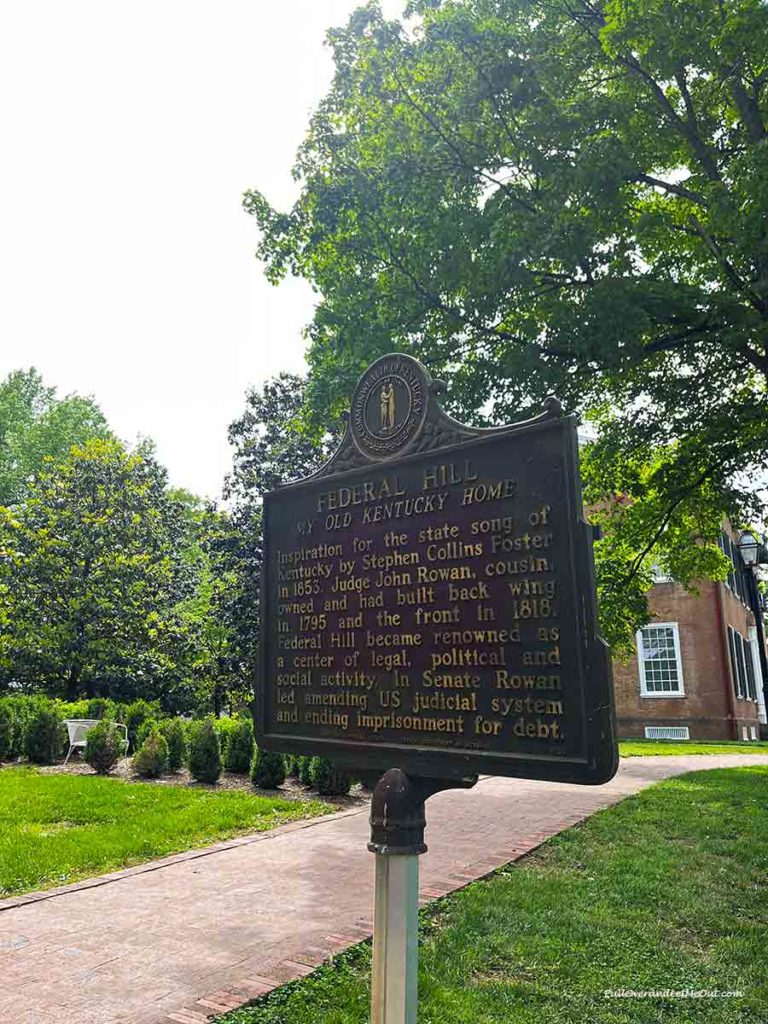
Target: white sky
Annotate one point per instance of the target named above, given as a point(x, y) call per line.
point(129, 132)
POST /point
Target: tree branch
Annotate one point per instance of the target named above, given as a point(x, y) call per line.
point(468, 164)
point(640, 558)
point(435, 302)
point(668, 186)
point(685, 127)
point(758, 361)
point(761, 305)
point(748, 108)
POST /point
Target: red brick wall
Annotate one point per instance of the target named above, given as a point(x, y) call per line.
point(705, 708)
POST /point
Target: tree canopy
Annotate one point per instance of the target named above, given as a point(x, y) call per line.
point(91, 575)
point(36, 426)
point(562, 196)
point(270, 447)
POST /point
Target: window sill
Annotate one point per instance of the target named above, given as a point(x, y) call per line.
point(663, 696)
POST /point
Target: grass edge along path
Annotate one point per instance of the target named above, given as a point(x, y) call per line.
point(685, 748)
point(666, 891)
point(62, 828)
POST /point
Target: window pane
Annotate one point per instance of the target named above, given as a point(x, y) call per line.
point(751, 687)
point(742, 689)
point(734, 663)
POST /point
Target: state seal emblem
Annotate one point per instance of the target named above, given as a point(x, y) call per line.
point(389, 406)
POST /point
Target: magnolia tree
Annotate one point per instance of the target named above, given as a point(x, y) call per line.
point(91, 576)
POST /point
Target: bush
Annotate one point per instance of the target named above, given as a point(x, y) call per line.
point(8, 726)
point(104, 746)
point(24, 708)
point(267, 769)
point(151, 760)
point(239, 752)
point(142, 733)
point(99, 707)
point(44, 736)
point(305, 770)
point(225, 728)
point(172, 729)
point(291, 765)
point(135, 716)
point(329, 780)
point(205, 752)
point(73, 709)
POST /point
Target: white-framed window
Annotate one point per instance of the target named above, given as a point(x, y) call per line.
point(658, 655)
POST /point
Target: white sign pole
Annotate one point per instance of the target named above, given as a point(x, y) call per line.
point(397, 839)
point(394, 990)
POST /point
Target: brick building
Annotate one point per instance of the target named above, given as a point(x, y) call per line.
point(697, 672)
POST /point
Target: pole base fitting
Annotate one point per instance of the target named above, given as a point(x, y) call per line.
point(397, 811)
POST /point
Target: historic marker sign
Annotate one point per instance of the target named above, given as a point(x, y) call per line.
point(428, 598)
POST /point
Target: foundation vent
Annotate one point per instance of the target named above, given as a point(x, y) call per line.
point(667, 732)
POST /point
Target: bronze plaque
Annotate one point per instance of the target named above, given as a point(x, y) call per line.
point(428, 598)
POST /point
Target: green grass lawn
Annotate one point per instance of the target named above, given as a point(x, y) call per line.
point(652, 748)
point(665, 891)
point(58, 828)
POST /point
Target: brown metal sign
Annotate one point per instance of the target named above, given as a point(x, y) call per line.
point(428, 597)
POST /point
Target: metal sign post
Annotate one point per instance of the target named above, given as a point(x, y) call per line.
point(397, 839)
point(395, 939)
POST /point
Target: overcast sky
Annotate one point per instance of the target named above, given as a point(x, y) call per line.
point(129, 133)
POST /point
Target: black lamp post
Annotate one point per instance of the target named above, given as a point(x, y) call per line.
point(754, 552)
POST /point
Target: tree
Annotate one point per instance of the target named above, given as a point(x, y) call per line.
point(91, 576)
point(271, 446)
point(212, 616)
point(563, 196)
point(35, 426)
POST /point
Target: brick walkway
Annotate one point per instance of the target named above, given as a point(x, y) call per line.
point(202, 932)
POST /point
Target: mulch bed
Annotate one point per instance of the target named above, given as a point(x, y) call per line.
point(291, 789)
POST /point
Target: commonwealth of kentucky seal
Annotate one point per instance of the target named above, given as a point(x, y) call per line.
point(389, 406)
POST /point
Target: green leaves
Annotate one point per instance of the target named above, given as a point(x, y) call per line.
point(271, 445)
point(35, 426)
point(538, 197)
point(94, 572)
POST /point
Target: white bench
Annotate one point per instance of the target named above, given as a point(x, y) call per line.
point(77, 729)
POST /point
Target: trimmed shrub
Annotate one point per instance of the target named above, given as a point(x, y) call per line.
point(142, 733)
point(205, 752)
point(44, 736)
point(73, 709)
point(291, 765)
point(305, 770)
point(20, 719)
point(225, 727)
point(104, 746)
point(151, 760)
point(239, 752)
point(99, 707)
point(8, 726)
point(176, 737)
point(329, 780)
point(135, 716)
point(267, 769)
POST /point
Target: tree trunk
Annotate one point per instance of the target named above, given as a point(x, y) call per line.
point(73, 683)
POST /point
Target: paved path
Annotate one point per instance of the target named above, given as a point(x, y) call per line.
point(208, 930)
